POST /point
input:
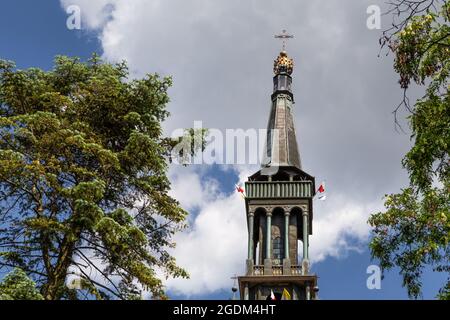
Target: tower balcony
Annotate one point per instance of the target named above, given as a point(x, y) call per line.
point(278, 189)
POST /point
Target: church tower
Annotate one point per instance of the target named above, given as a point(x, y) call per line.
point(279, 206)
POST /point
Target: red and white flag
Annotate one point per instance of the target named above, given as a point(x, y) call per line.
point(240, 190)
point(321, 192)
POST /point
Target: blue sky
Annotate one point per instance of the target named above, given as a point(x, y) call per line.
point(33, 32)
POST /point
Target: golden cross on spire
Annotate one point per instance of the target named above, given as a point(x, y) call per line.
point(284, 36)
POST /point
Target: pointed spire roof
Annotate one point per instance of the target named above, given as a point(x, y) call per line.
point(281, 144)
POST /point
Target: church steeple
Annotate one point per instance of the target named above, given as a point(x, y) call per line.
point(279, 205)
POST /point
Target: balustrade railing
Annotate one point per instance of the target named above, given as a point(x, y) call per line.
point(277, 189)
point(258, 270)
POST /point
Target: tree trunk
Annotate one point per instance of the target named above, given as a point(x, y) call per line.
point(56, 280)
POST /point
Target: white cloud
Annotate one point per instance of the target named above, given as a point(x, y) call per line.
point(339, 226)
point(187, 189)
point(213, 249)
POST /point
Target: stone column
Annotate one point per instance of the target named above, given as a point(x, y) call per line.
point(268, 259)
point(308, 292)
point(250, 236)
point(246, 293)
point(305, 262)
point(268, 234)
point(286, 234)
point(286, 260)
point(250, 261)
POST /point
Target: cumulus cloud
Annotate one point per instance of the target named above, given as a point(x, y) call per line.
point(220, 55)
point(339, 226)
point(188, 190)
point(214, 248)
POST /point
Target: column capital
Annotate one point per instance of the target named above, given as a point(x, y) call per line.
point(304, 210)
point(251, 213)
point(287, 213)
point(269, 209)
point(287, 209)
point(268, 213)
point(252, 209)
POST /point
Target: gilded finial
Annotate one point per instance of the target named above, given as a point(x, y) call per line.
point(283, 64)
